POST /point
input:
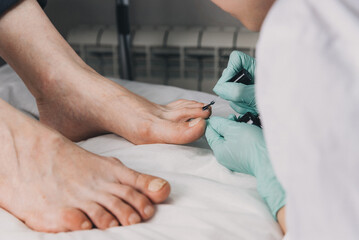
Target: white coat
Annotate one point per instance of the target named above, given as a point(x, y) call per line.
point(308, 95)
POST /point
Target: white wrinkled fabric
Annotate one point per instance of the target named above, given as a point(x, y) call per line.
point(308, 95)
point(207, 200)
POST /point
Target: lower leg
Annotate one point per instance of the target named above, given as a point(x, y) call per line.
point(77, 101)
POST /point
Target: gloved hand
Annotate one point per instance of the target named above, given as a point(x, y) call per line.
point(241, 148)
point(241, 96)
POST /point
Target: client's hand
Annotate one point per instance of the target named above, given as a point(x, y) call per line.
point(241, 96)
point(241, 147)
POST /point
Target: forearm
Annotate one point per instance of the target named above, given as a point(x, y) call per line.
point(33, 47)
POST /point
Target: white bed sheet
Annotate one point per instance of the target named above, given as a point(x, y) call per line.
point(207, 200)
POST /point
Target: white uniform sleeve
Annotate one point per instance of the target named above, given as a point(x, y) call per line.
point(308, 96)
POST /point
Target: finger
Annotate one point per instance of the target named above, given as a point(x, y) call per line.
point(232, 117)
point(213, 137)
point(236, 92)
point(237, 61)
point(227, 74)
point(220, 125)
point(238, 58)
point(242, 108)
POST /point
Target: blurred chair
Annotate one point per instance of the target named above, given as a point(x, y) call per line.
point(144, 41)
point(187, 57)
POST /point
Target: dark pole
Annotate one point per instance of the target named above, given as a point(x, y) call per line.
point(124, 39)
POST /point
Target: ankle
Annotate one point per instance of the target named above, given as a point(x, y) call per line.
point(58, 80)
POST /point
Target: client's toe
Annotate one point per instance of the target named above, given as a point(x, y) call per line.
point(136, 199)
point(123, 212)
point(154, 188)
point(188, 113)
point(100, 216)
point(182, 132)
point(74, 219)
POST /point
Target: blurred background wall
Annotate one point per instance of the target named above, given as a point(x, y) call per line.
point(66, 14)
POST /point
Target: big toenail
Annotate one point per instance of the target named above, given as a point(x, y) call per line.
point(113, 224)
point(149, 210)
point(194, 122)
point(156, 184)
point(134, 218)
point(85, 225)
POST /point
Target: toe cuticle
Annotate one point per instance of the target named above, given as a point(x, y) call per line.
point(113, 224)
point(85, 225)
point(156, 185)
point(149, 210)
point(134, 218)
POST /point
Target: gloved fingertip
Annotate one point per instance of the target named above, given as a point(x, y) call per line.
point(213, 120)
point(232, 117)
point(220, 125)
point(215, 89)
point(212, 136)
point(241, 110)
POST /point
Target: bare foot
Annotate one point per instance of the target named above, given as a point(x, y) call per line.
point(53, 185)
point(83, 104)
point(75, 100)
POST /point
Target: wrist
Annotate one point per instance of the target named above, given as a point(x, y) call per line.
point(268, 185)
point(272, 193)
point(282, 220)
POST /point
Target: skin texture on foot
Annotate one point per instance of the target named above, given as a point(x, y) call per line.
point(53, 185)
point(73, 99)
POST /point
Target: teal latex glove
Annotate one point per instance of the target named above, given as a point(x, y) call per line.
point(241, 148)
point(241, 96)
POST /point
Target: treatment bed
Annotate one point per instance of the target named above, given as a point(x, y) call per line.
point(207, 200)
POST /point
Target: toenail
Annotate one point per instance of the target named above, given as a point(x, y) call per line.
point(113, 224)
point(149, 210)
point(85, 225)
point(194, 122)
point(134, 218)
point(156, 184)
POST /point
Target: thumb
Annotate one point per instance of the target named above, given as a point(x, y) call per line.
point(241, 108)
point(232, 117)
point(213, 138)
point(230, 91)
point(220, 125)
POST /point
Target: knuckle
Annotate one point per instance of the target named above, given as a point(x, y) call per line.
point(114, 203)
point(97, 212)
point(127, 192)
point(143, 201)
point(141, 180)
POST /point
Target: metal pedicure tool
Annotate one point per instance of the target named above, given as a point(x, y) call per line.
point(208, 105)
